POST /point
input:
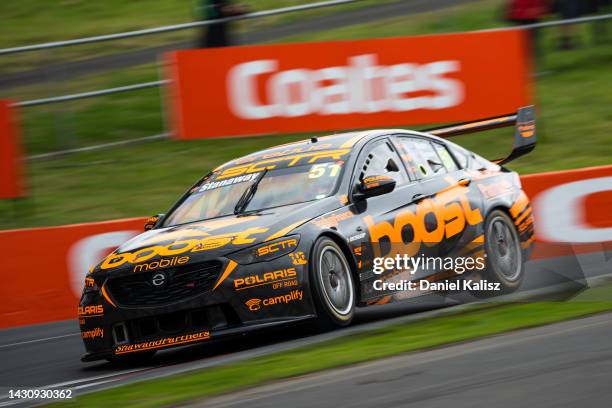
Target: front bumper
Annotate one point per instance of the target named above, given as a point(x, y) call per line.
point(248, 297)
point(197, 338)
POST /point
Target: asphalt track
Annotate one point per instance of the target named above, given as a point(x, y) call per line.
point(48, 356)
point(567, 364)
point(343, 18)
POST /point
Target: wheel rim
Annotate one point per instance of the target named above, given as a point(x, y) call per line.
point(336, 281)
point(504, 249)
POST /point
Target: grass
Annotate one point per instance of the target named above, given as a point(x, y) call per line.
point(385, 342)
point(20, 23)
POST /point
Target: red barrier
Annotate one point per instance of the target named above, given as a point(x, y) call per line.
point(44, 273)
point(572, 206)
point(267, 89)
point(11, 184)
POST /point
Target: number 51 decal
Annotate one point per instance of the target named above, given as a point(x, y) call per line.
point(320, 170)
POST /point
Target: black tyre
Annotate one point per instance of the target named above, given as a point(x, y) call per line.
point(332, 283)
point(134, 359)
point(505, 263)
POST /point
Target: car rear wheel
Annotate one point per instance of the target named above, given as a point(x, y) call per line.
point(505, 262)
point(332, 285)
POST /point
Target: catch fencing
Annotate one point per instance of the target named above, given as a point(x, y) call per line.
point(185, 26)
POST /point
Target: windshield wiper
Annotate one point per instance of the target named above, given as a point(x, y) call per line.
point(248, 194)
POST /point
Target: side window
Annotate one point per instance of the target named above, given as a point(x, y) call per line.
point(420, 155)
point(462, 157)
point(446, 157)
point(480, 163)
point(381, 159)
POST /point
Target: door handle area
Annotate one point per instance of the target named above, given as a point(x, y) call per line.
point(418, 197)
point(464, 182)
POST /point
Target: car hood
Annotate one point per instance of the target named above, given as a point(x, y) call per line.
point(215, 237)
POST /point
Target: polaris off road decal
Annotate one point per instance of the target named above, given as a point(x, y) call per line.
point(286, 275)
point(91, 311)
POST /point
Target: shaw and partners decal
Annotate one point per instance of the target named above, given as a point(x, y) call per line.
point(168, 341)
point(183, 246)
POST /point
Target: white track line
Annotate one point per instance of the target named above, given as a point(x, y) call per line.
point(92, 381)
point(37, 340)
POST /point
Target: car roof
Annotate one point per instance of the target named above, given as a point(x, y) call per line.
point(338, 145)
point(342, 141)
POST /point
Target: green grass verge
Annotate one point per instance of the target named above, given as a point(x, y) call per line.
point(573, 98)
point(376, 344)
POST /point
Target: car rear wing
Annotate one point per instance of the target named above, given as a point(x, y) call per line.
point(525, 137)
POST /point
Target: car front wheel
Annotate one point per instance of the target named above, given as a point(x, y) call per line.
point(332, 285)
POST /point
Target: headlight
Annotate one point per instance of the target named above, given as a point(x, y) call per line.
point(90, 285)
point(266, 251)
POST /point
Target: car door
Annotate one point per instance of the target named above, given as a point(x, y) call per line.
point(455, 206)
point(383, 223)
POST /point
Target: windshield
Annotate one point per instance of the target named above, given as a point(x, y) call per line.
point(291, 185)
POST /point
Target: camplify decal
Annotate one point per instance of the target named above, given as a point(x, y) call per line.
point(256, 304)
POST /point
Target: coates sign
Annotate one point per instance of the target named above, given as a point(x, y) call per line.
point(251, 90)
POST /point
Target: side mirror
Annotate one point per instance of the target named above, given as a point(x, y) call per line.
point(151, 222)
point(373, 186)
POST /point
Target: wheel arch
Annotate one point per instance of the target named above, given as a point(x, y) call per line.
point(499, 206)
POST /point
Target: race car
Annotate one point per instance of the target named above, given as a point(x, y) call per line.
point(300, 231)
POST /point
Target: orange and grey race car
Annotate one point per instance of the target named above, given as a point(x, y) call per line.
point(311, 230)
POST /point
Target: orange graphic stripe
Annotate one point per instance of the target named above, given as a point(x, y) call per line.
point(105, 294)
point(285, 230)
point(526, 213)
point(351, 142)
point(519, 205)
point(230, 267)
